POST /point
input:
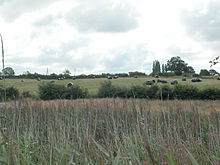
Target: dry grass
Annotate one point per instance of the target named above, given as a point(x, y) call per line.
point(110, 131)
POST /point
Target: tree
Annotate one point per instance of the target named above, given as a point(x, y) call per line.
point(163, 68)
point(178, 66)
point(213, 72)
point(190, 69)
point(66, 72)
point(204, 72)
point(8, 72)
point(156, 67)
point(136, 73)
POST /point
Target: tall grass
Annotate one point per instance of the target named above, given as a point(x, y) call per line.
point(109, 131)
point(3, 66)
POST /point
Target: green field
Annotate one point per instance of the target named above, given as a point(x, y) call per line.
point(93, 84)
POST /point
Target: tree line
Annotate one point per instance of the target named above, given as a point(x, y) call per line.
point(174, 67)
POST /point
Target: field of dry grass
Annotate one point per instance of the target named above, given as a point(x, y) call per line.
point(110, 131)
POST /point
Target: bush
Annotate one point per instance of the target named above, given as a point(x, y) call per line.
point(144, 92)
point(186, 92)
point(75, 92)
point(50, 91)
point(11, 93)
point(26, 94)
point(166, 92)
point(138, 92)
point(107, 90)
point(152, 92)
point(210, 94)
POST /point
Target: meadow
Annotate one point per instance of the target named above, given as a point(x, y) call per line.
point(110, 131)
point(92, 85)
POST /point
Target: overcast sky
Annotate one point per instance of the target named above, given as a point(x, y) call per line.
point(99, 36)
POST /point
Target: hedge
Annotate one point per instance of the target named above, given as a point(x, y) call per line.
point(180, 92)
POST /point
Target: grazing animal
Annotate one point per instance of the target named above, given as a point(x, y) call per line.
point(150, 82)
point(109, 77)
point(69, 84)
point(196, 80)
point(174, 82)
point(184, 79)
point(162, 81)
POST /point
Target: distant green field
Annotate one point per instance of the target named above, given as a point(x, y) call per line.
point(93, 84)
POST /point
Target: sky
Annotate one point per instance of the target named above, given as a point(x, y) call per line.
point(108, 36)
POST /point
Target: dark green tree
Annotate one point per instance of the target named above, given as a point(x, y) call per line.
point(67, 73)
point(163, 68)
point(8, 72)
point(190, 69)
point(177, 65)
point(156, 67)
point(213, 72)
point(204, 72)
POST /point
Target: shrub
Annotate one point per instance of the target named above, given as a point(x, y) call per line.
point(107, 90)
point(210, 94)
point(75, 92)
point(11, 93)
point(166, 92)
point(152, 92)
point(138, 92)
point(186, 92)
point(144, 92)
point(50, 91)
point(26, 94)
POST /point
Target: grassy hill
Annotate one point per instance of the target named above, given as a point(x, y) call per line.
point(93, 84)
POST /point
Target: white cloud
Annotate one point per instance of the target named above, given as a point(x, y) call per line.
point(95, 36)
point(102, 16)
point(10, 10)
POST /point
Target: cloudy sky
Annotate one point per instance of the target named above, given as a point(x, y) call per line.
point(99, 36)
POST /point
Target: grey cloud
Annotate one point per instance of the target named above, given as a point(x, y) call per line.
point(185, 54)
point(124, 59)
point(129, 60)
point(12, 9)
point(64, 54)
point(102, 16)
point(201, 25)
point(68, 60)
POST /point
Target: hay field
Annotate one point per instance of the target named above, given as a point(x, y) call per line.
point(93, 84)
